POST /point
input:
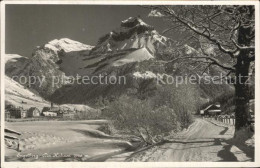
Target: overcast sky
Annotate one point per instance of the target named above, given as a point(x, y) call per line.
point(28, 26)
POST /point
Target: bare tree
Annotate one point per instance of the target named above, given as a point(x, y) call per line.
point(230, 30)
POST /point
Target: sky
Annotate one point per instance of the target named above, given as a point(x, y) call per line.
point(28, 26)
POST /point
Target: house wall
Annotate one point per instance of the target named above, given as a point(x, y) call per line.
point(16, 113)
point(23, 114)
point(34, 113)
point(30, 114)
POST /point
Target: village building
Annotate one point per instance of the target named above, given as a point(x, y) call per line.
point(8, 109)
point(68, 115)
point(211, 110)
point(58, 111)
point(33, 112)
point(51, 111)
point(50, 114)
point(15, 112)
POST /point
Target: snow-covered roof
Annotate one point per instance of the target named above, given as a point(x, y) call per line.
point(210, 106)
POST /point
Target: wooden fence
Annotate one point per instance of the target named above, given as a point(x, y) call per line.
point(226, 119)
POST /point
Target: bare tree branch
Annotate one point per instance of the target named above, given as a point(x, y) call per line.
point(171, 28)
point(224, 76)
point(243, 47)
point(204, 59)
point(194, 28)
point(206, 68)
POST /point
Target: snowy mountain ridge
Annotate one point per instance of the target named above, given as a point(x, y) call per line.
point(132, 33)
point(67, 45)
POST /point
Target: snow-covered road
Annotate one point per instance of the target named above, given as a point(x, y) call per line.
point(203, 141)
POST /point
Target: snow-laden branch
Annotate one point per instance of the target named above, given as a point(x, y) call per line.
point(243, 47)
point(203, 32)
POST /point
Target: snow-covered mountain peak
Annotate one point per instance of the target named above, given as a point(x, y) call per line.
point(134, 21)
point(67, 45)
point(13, 57)
point(133, 33)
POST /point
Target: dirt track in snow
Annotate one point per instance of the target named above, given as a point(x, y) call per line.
point(203, 141)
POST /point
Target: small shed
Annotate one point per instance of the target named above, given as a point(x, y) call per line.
point(33, 112)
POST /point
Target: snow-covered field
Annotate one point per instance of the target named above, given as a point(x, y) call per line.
point(70, 138)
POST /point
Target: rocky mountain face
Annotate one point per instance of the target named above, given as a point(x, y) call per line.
point(122, 52)
point(133, 41)
point(132, 33)
point(43, 65)
point(134, 50)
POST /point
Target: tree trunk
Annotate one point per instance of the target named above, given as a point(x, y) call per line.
point(242, 75)
point(241, 93)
